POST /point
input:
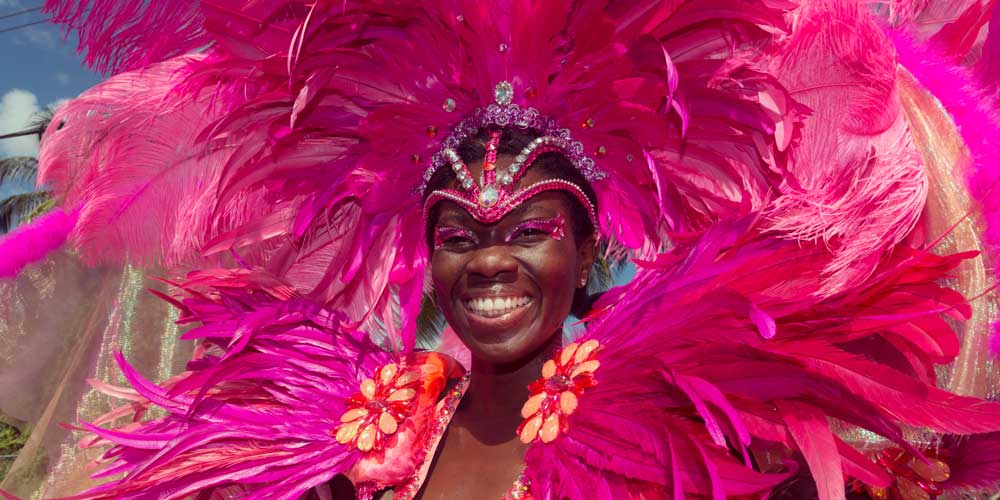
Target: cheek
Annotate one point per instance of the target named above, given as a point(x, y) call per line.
point(556, 275)
point(444, 273)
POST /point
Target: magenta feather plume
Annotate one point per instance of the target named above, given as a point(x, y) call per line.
point(117, 35)
point(257, 407)
point(126, 153)
point(31, 242)
point(792, 360)
point(974, 460)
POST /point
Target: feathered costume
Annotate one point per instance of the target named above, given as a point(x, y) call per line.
point(754, 158)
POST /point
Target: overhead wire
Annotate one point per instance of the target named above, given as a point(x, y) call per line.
point(22, 12)
point(21, 26)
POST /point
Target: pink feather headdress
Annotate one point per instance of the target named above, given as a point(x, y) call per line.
point(330, 114)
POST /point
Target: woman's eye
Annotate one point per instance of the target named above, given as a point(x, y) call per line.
point(530, 232)
point(458, 240)
point(453, 237)
point(537, 229)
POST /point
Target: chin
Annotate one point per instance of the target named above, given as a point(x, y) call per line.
point(502, 337)
point(519, 346)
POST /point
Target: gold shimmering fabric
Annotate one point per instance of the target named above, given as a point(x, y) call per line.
point(945, 158)
point(950, 212)
point(61, 323)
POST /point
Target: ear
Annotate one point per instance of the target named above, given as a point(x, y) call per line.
point(586, 257)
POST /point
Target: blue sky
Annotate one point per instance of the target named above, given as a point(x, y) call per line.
point(37, 68)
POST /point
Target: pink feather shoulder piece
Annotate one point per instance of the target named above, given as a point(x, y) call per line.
point(707, 363)
point(281, 396)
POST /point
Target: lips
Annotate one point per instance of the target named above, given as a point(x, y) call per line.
point(495, 307)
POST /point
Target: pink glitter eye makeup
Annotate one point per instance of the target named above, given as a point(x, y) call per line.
point(453, 236)
point(553, 227)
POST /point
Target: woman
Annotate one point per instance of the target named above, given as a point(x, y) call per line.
point(506, 288)
point(781, 274)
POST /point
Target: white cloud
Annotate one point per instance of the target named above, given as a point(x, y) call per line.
point(62, 78)
point(58, 103)
point(16, 109)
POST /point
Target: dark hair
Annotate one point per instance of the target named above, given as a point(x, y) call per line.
point(552, 165)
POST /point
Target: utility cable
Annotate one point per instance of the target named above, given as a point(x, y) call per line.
point(18, 13)
point(5, 30)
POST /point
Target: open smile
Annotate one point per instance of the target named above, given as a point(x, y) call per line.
point(497, 313)
point(495, 307)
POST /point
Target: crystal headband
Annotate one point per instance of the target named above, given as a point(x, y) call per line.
point(501, 114)
point(493, 197)
point(504, 204)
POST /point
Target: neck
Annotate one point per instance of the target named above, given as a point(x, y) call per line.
point(497, 391)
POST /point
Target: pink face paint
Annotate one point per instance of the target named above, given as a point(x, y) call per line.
point(553, 227)
point(453, 236)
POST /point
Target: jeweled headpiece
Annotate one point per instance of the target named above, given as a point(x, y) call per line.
point(494, 195)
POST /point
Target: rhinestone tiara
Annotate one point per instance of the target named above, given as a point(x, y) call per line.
point(503, 113)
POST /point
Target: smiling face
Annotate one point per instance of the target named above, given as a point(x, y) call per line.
point(506, 288)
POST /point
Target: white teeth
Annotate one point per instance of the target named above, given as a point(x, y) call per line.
point(496, 306)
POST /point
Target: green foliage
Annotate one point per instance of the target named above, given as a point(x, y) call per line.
point(11, 442)
point(20, 170)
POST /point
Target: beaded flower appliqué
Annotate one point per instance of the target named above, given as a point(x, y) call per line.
point(379, 408)
point(555, 396)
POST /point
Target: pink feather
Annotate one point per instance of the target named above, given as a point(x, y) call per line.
point(701, 309)
point(811, 431)
point(118, 35)
point(237, 419)
point(125, 152)
point(855, 180)
point(31, 242)
point(974, 460)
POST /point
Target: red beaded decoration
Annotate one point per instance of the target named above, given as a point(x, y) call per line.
point(555, 396)
point(377, 410)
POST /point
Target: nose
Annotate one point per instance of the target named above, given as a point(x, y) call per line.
point(492, 263)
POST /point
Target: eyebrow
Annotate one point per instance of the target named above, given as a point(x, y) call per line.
point(518, 211)
point(454, 217)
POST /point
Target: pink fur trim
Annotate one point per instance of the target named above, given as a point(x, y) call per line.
point(996, 341)
point(31, 242)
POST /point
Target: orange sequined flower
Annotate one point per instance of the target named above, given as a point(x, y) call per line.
point(377, 411)
point(555, 396)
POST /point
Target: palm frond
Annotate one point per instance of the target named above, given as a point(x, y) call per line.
point(18, 169)
point(430, 324)
point(20, 207)
point(41, 120)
